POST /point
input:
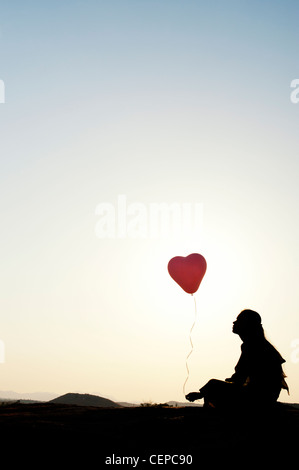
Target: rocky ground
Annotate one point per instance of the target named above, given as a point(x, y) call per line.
point(43, 434)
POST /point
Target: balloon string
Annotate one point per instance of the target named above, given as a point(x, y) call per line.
point(190, 338)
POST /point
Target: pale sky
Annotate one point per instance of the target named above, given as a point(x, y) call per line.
point(156, 102)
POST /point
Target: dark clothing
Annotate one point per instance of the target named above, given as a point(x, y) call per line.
point(260, 369)
point(220, 394)
point(258, 377)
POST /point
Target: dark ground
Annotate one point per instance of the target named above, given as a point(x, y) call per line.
point(63, 435)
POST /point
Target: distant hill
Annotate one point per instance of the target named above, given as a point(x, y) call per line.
point(178, 403)
point(33, 396)
point(125, 404)
point(84, 400)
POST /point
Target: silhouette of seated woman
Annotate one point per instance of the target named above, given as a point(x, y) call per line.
point(258, 377)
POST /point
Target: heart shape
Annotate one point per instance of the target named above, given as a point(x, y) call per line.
point(188, 271)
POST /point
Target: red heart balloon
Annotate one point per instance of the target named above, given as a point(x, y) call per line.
point(188, 271)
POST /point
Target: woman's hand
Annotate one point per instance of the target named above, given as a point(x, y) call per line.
point(193, 396)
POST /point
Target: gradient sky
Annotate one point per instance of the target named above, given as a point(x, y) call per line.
point(162, 101)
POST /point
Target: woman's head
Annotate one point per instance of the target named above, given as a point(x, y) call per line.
point(248, 324)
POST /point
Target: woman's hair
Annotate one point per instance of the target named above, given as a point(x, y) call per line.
point(252, 322)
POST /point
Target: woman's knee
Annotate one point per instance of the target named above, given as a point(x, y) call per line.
point(210, 385)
